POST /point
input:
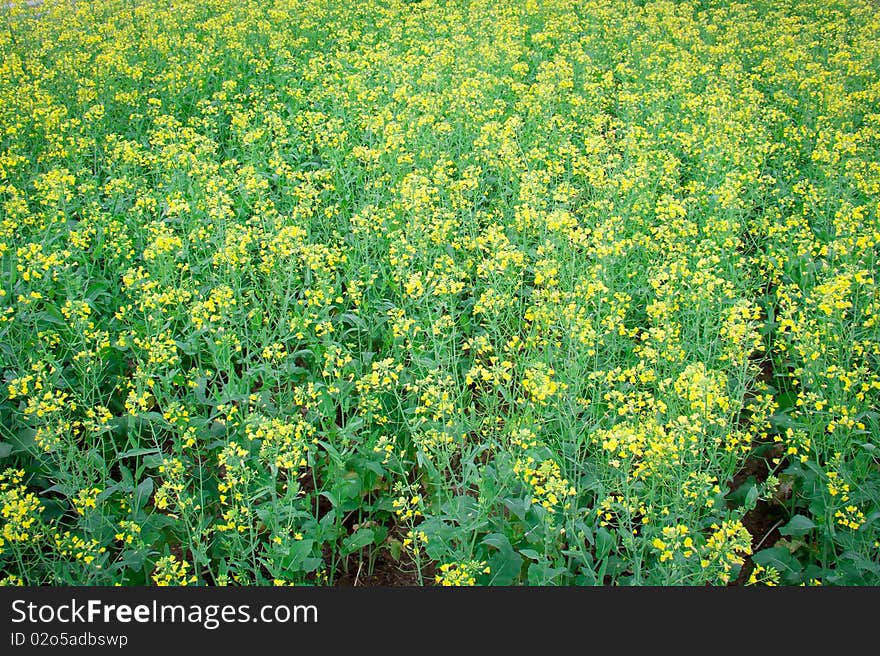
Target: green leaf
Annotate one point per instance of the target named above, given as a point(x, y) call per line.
point(357, 540)
point(354, 320)
point(506, 565)
point(395, 548)
point(334, 454)
point(531, 554)
point(61, 488)
point(127, 479)
point(582, 529)
point(798, 525)
point(751, 497)
point(52, 315)
point(519, 507)
point(311, 564)
point(745, 493)
point(543, 574)
point(299, 550)
point(143, 492)
point(349, 486)
point(604, 543)
point(498, 540)
point(780, 559)
point(331, 498)
point(153, 460)
point(131, 453)
point(505, 568)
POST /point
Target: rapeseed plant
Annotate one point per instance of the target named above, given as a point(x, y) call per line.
point(515, 294)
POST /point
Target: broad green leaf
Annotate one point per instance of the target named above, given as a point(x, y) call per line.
point(143, 492)
point(357, 540)
point(131, 453)
point(798, 525)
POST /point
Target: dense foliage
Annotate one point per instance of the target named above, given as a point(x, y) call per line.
point(490, 292)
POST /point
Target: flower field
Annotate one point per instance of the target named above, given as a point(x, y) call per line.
point(439, 292)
